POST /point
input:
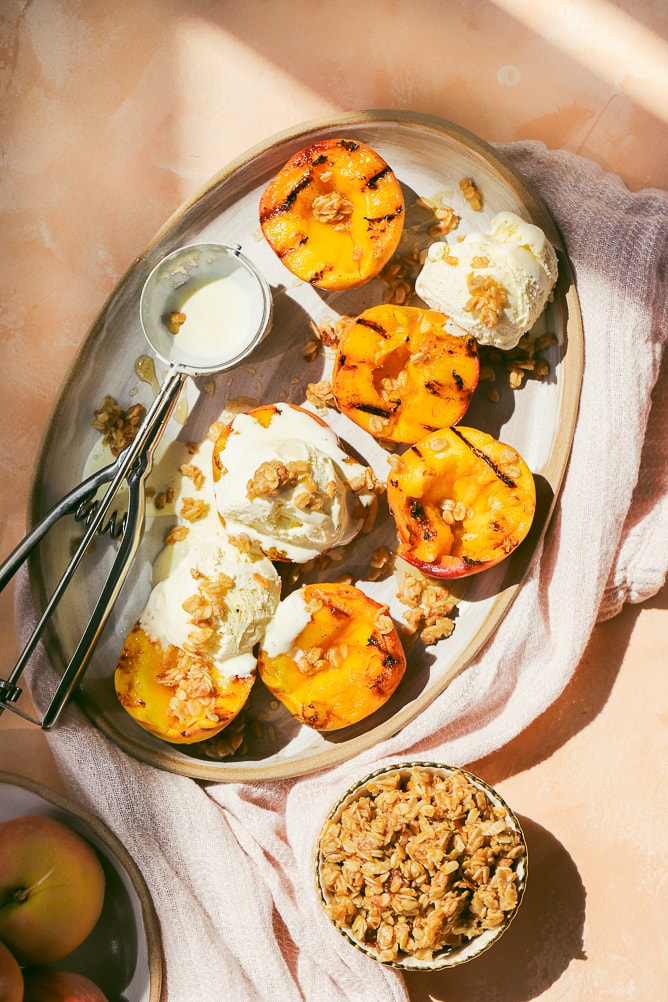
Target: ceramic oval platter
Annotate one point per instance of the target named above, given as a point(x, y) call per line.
point(429, 157)
point(123, 953)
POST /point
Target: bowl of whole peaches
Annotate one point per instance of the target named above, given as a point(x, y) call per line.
point(76, 920)
point(421, 866)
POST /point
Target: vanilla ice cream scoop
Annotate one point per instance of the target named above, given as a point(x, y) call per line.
point(495, 284)
point(215, 602)
point(284, 481)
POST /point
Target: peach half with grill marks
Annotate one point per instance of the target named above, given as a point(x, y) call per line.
point(178, 697)
point(402, 371)
point(331, 655)
point(462, 501)
point(334, 213)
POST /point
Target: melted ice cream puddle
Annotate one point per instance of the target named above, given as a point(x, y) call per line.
point(219, 321)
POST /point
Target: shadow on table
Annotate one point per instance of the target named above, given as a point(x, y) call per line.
point(545, 937)
point(581, 701)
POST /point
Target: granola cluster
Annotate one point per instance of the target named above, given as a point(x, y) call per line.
point(231, 741)
point(443, 218)
point(429, 608)
point(399, 276)
point(273, 476)
point(488, 299)
point(194, 691)
point(326, 334)
point(320, 394)
point(421, 861)
point(118, 426)
point(205, 607)
point(333, 208)
point(469, 190)
point(524, 361)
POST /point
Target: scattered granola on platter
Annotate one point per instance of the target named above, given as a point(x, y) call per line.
point(118, 426)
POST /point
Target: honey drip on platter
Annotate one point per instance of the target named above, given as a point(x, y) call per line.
point(145, 370)
point(180, 412)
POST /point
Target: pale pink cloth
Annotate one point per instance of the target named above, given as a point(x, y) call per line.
point(230, 867)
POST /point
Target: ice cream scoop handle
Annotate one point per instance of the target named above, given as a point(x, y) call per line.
point(105, 603)
point(132, 464)
point(67, 504)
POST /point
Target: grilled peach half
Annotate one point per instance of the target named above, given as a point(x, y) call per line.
point(402, 371)
point(334, 214)
point(178, 698)
point(331, 655)
point(462, 501)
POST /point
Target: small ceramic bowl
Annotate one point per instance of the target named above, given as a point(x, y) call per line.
point(123, 953)
point(421, 866)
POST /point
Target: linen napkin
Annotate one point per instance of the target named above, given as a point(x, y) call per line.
point(230, 866)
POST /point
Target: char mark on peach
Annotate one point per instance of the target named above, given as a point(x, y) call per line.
point(375, 178)
point(319, 275)
point(419, 515)
point(383, 220)
point(381, 412)
point(486, 459)
point(374, 326)
point(290, 199)
point(286, 251)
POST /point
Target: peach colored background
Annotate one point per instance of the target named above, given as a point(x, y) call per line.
point(113, 114)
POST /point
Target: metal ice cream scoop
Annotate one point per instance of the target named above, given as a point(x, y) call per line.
point(203, 308)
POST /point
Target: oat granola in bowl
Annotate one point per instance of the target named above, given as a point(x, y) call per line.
point(421, 866)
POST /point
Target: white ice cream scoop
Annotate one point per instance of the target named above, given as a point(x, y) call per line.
point(288, 484)
point(495, 284)
point(249, 598)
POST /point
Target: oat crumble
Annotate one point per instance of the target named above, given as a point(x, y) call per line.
point(520, 363)
point(429, 608)
point(176, 534)
point(488, 299)
point(118, 426)
point(192, 472)
point(470, 192)
point(194, 690)
point(271, 477)
point(420, 863)
point(399, 276)
point(230, 741)
point(332, 208)
point(380, 564)
point(194, 509)
point(327, 333)
point(321, 395)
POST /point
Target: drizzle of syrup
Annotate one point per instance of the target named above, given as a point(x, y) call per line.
point(180, 412)
point(145, 370)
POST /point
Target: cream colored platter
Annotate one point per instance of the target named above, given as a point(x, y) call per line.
point(429, 157)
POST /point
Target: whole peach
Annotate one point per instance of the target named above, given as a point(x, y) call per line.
point(51, 888)
point(11, 977)
point(43, 984)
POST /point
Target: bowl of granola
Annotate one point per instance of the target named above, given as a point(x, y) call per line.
point(421, 866)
